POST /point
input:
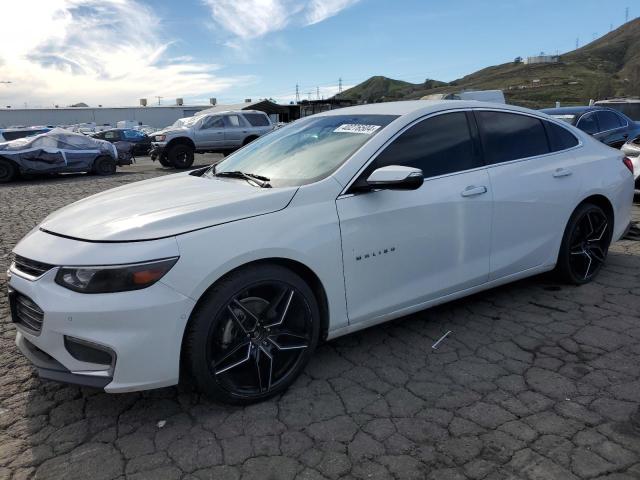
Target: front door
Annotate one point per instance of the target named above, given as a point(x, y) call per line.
point(210, 133)
point(404, 248)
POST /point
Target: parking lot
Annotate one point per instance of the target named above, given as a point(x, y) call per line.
point(536, 381)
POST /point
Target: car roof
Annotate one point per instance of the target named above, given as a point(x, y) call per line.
point(222, 112)
point(573, 110)
point(419, 106)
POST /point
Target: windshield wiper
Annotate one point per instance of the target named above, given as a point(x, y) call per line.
point(250, 177)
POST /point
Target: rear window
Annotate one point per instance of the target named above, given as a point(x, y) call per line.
point(560, 138)
point(511, 136)
point(609, 121)
point(257, 119)
point(589, 124)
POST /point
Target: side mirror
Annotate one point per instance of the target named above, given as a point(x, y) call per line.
point(395, 177)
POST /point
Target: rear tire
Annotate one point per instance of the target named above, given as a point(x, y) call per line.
point(248, 140)
point(104, 166)
point(8, 171)
point(585, 245)
point(180, 156)
point(252, 335)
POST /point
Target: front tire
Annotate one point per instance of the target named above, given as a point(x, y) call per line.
point(180, 156)
point(104, 166)
point(164, 161)
point(252, 335)
point(585, 244)
point(8, 171)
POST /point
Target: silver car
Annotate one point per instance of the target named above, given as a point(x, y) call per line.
point(218, 132)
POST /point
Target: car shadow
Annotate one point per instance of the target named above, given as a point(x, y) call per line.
point(55, 419)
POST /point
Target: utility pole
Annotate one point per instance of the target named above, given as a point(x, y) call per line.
point(159, 98)
point(317, 93)
point(626, 15)
point(577, 43)
point(340, 85)
point(297, 93)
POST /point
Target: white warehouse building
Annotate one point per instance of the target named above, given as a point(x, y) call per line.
point(154, 116)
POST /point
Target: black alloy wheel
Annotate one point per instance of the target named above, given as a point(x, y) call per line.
point(181, 156)
point(8, 171)
point(164, 161)
point(254, 335)
point(585, 244)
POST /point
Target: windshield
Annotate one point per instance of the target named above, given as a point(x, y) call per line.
point(305, 151)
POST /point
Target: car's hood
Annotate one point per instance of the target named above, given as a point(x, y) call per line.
point(171, 131)
point(164, 207)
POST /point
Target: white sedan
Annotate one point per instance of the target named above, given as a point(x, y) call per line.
point(231, 275)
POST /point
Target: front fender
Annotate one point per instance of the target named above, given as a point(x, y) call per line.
point(209, 254)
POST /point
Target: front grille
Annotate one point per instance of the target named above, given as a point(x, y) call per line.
point(30, 267)
point(26, 312)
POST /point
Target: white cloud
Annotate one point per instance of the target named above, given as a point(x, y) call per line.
point(250, 19)
point(105, 52)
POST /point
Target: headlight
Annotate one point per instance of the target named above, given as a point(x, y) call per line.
point(116, 278)
point(160, 138)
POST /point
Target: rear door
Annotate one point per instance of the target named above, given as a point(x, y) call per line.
point(404, 248)
point(533, 172)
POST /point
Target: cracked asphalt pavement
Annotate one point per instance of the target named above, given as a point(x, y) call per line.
point(536, 381)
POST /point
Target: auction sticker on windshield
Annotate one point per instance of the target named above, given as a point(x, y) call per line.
point(357, 128)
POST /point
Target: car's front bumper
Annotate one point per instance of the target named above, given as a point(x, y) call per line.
point(157, 150)
point(142, 329)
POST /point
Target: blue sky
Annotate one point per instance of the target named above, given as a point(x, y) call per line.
point(113, 52)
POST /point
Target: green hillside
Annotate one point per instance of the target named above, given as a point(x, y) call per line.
point(607, 67)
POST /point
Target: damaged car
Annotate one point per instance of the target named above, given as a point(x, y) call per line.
point(57, 151)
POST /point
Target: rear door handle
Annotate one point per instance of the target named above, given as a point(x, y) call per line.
point(472, 191)
point(562, 172)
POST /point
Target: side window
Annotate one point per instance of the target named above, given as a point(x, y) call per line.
point(213, 122)
point(588, 123)
point(256, 119)
point(111, 135)
point(437, 145)
point(232, 121)
point(560, 138)
point(608, 121)
point(511, 136)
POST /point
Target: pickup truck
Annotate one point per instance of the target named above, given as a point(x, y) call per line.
point(219, 132)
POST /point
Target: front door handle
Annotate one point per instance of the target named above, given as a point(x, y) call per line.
point(472, 191)
point(562, 172)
